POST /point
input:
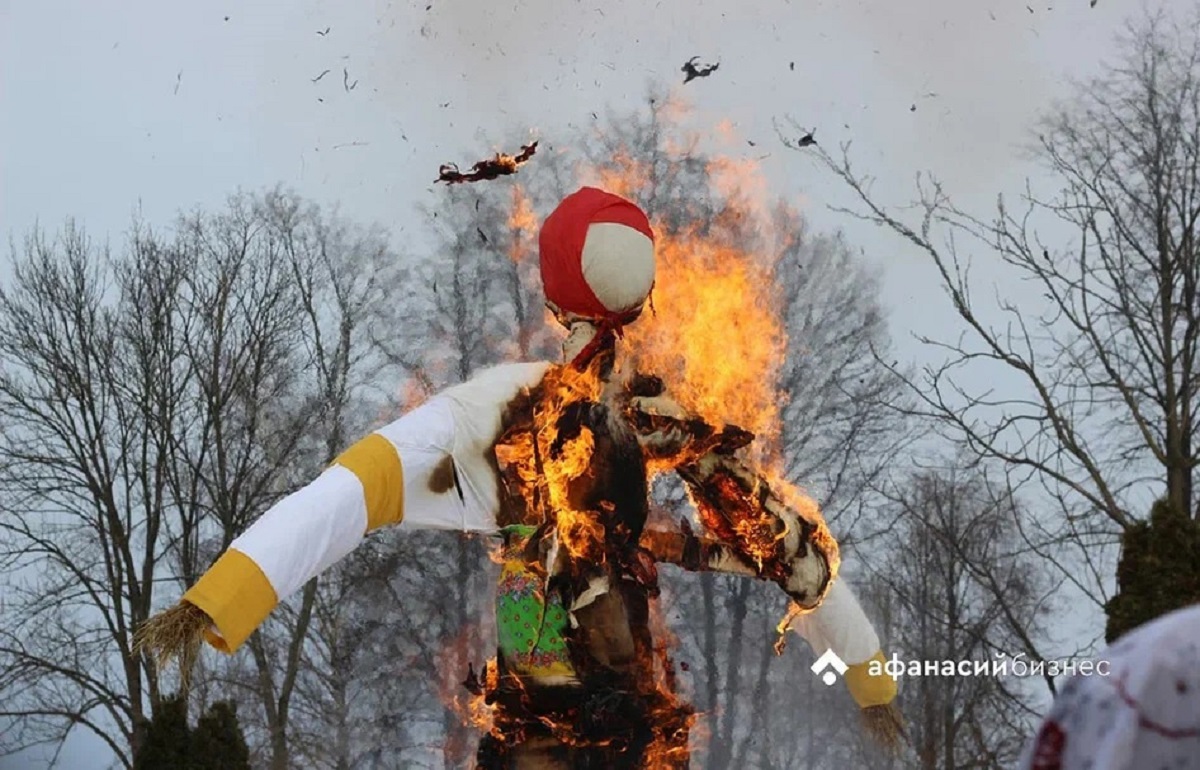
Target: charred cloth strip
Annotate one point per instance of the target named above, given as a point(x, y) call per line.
point(677, 438)
point(691, 70)
point(492, 168)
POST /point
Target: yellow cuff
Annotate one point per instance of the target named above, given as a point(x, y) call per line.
point(376, 463)
point(236, 595)
point(868, 690)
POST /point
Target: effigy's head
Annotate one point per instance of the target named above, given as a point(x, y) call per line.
point(596, 254)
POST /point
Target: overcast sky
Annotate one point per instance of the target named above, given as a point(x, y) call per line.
point(103, 105)
point(173, 105)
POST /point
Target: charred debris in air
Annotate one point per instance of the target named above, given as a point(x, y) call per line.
point(347, 84)
point(502, 164)
point(691, 70)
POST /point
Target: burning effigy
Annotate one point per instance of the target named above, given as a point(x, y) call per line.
point(555, 460)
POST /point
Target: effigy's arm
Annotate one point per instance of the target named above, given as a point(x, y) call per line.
point(754, 530)
point(759, 528)
point(686, 550)
point(426, 470)
point(840, 625)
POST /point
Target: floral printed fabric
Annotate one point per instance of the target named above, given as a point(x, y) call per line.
point(530, 630)
point(1144, 715)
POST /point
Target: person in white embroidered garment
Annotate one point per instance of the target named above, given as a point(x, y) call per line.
point(1136, 708)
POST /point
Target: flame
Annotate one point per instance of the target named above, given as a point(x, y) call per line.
point(523, 222)
point(714, 329)
point(471, 709)
point(711, 335)
point(668, 750)
point(548, 465)
point(414, 391)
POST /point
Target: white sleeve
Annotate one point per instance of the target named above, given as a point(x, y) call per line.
point(431, 469)
point(456, 431)
point(839, 624)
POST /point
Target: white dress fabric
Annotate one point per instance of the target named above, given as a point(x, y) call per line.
point(1143, 715)
point(463, 423)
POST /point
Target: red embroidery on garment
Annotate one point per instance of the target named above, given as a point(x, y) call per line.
point(1048, 751)
point(1148, 724)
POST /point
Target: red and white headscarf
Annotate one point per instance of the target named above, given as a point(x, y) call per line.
point(596, 253)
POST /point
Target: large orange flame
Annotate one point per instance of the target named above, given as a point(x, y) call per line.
point(715, 330)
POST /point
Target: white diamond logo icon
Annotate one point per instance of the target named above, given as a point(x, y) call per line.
point(829, 660)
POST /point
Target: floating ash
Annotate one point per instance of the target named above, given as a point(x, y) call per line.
point(492, 168)
point(691, 70)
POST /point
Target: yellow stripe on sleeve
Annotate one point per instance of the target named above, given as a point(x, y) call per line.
point(376, 463)
point(236, 595)
point(870, 690)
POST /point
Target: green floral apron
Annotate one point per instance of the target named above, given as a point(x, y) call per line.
point(530, 630)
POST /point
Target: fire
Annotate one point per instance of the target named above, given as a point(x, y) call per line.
point(714, 330)
point(711, 334)
point(548, 461)
point(473, 708)
point(522, 221)
point(413, 392)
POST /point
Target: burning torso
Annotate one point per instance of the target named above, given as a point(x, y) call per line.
point(579, 680)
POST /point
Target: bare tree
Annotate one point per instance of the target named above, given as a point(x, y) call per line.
point(342, 276)
point(1106, 420)
point(958, 585)
point(154, 402)
point(94, 395)
point(327, 281)
point(95, 398)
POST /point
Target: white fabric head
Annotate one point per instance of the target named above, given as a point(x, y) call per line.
point(618, 265)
